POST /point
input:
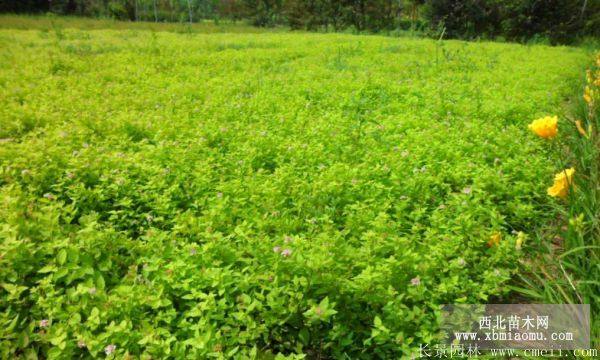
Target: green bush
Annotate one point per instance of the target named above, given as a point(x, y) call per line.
point(560, 21)
point(117, 10)
point(465, 19)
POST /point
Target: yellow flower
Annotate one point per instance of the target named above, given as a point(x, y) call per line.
point(521, 237)
point(495, 239)
point(546, 127)
point(562, 182)
point(588, 95)
point(580, 128)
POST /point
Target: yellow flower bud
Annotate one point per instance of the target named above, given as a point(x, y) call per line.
point(495, 239)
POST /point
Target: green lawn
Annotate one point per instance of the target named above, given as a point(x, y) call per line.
point(239, 194)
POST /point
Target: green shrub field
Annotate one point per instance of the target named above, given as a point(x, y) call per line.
point(189, 195)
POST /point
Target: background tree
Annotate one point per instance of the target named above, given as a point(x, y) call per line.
point(559, 21)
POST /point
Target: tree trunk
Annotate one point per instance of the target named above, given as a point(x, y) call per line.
point(155, 13)
point(583, 9)
point(190, 10)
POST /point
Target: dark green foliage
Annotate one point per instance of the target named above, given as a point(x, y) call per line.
point(263, 12)
point(559, 21)
point(469, 19)
point(31, 6)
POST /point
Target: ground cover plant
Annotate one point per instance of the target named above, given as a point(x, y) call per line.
point(220, 195)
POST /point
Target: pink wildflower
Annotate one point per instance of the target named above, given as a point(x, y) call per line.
point(110, 349)
point(286, 252)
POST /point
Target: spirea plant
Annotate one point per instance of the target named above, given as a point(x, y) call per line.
point(169, 195)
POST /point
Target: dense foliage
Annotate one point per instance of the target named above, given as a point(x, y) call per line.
point(560, 21)
point(202, 195)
